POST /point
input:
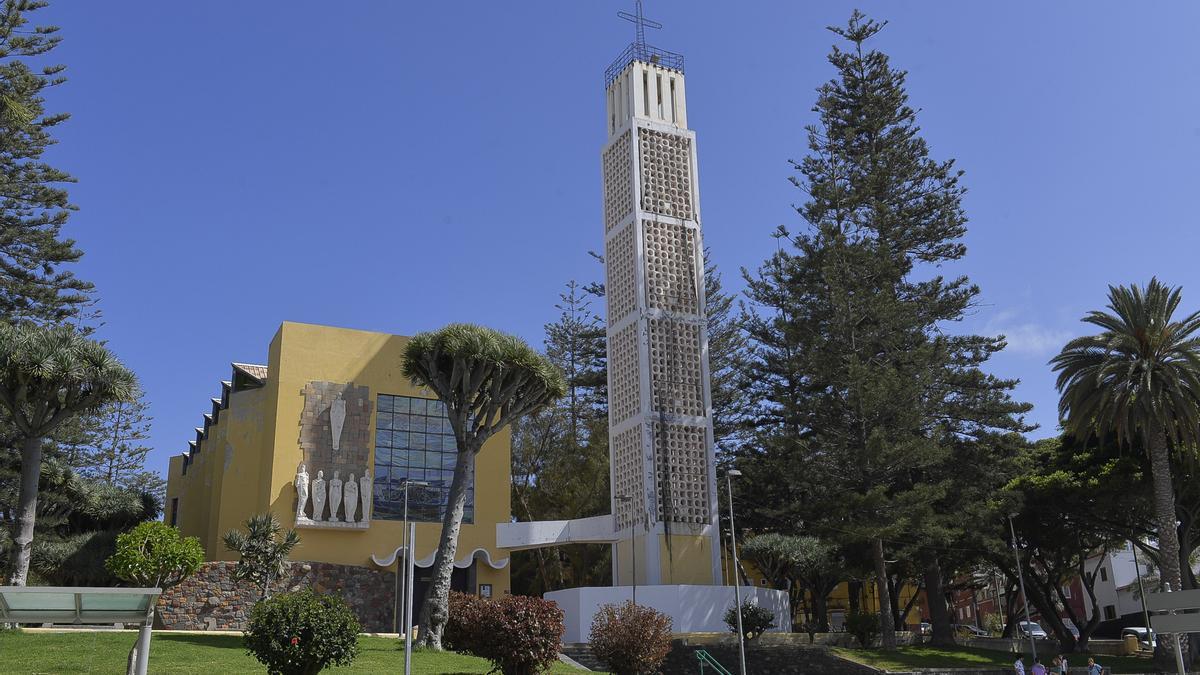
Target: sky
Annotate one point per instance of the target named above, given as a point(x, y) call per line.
point(396, 166)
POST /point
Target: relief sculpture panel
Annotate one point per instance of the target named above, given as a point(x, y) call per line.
point(335, 432)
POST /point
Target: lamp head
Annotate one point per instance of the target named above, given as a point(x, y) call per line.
point(733, 473)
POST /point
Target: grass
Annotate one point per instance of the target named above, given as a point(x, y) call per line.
point(106, 652)
point(908, 658)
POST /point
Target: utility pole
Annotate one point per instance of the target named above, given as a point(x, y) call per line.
point(1021, 580)
point(737, 585)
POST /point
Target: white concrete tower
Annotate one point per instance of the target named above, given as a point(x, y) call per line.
point(663, 472)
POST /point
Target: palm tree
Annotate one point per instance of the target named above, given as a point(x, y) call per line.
point(263, 556)
point(487, 380)
point(47, 376)
point(1139, 379)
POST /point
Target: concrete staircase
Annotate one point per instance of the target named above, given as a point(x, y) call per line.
point(581, 653)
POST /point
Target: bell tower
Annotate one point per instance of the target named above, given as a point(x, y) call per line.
point(662, 465)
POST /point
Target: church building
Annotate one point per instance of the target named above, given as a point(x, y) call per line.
point(325, 435)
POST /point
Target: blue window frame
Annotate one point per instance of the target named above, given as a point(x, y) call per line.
point(413, 440)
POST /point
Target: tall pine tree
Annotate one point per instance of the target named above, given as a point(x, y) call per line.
point(864, 391)
point(33, 202)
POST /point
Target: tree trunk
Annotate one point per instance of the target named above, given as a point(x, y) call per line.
point(1186, 547)
point(31, 473)
point(894, 583)
point(887, 628)
point(435, 609)
point(820, 610)
point(942, 633)
point(854, 590)
point(1010, 610)
point(1168, 536)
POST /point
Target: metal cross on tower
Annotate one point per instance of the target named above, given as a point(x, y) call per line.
point(641, 22)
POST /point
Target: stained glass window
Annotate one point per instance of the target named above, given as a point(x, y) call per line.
point(413, 440)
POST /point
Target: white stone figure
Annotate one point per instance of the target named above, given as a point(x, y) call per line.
point(318, 496)
point(335, 497)
point(351, 499)
point(364, 482)
point(337, 419)
point(301, 490)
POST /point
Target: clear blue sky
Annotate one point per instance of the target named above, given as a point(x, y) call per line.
point(440, 161)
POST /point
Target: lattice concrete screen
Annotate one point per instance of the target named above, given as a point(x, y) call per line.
point(675, 375)
point(682, 473)
point(625, 399)
point(620, 275)
point(627, 475)
point(665, 161)
point(618, 185)
point(660, 432)
point(671, 267)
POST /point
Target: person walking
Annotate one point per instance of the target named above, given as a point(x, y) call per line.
point(1019, 666)
point(1056, 666)
point(1065, 667)
point(1094, 668)
point(1038, 668)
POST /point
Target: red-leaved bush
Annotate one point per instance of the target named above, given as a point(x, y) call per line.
point(462, 628)
point(519, 634)
point(631, 639)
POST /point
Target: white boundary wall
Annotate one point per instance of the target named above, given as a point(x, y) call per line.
point(693, 609)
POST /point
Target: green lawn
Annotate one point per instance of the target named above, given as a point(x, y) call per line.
point(907, 658)
point(106, 652)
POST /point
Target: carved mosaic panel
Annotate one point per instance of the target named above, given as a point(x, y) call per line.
point(625, 399)
point(618, 183)
point(316, 429)
point(671, 267)
point(620, 275)
point(682, 473)
point(627, 474)
point(666, 173)
point(675, 382)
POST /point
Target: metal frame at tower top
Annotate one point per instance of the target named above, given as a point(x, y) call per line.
point(639, 50)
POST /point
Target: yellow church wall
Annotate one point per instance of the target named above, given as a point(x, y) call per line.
point(261, 430)
point(243, 428)
point(174, 476)
point(687, 561)
point(839, 598)
point(311, 353)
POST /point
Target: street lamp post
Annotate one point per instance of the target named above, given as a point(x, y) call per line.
point(628, 499)
point(737, 586)
point(406, 599)
point(1021, 580)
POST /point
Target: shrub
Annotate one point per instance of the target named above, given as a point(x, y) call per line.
point(864, 626)
point(302, 633)
point(462, 632)
point(519, 634)
point(153, 555)
point(755, 620)
point(630, 639)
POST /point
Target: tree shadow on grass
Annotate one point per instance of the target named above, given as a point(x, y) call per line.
point(212, 641)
